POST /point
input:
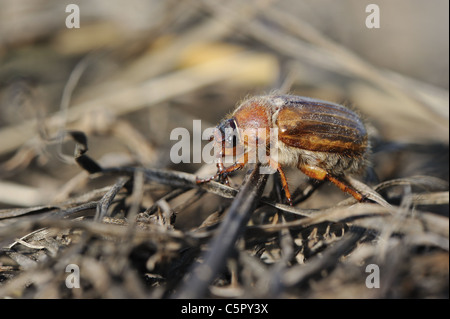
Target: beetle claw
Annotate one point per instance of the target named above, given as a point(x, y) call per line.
point(223, 177)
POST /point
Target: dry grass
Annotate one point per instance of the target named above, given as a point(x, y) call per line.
point(138, 226)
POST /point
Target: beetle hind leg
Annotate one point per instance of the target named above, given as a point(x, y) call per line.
point(321, 174)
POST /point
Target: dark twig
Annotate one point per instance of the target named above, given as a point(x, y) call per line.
point(107, 199)
point(215, 258)
point(300, 273)
point(306, 190)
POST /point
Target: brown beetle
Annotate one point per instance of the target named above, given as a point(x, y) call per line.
point(324, 140)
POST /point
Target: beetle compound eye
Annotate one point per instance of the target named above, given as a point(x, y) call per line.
point(232, 124)
point(231, 139)
point(227, 133)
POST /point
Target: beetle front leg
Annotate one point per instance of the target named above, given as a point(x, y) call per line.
point(240, 163)
point(223, 172)
point(220, 168)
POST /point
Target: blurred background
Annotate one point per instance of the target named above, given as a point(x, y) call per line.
point(134, 70)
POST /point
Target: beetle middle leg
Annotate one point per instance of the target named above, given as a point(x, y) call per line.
point(283, 178)
point(321, 174)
